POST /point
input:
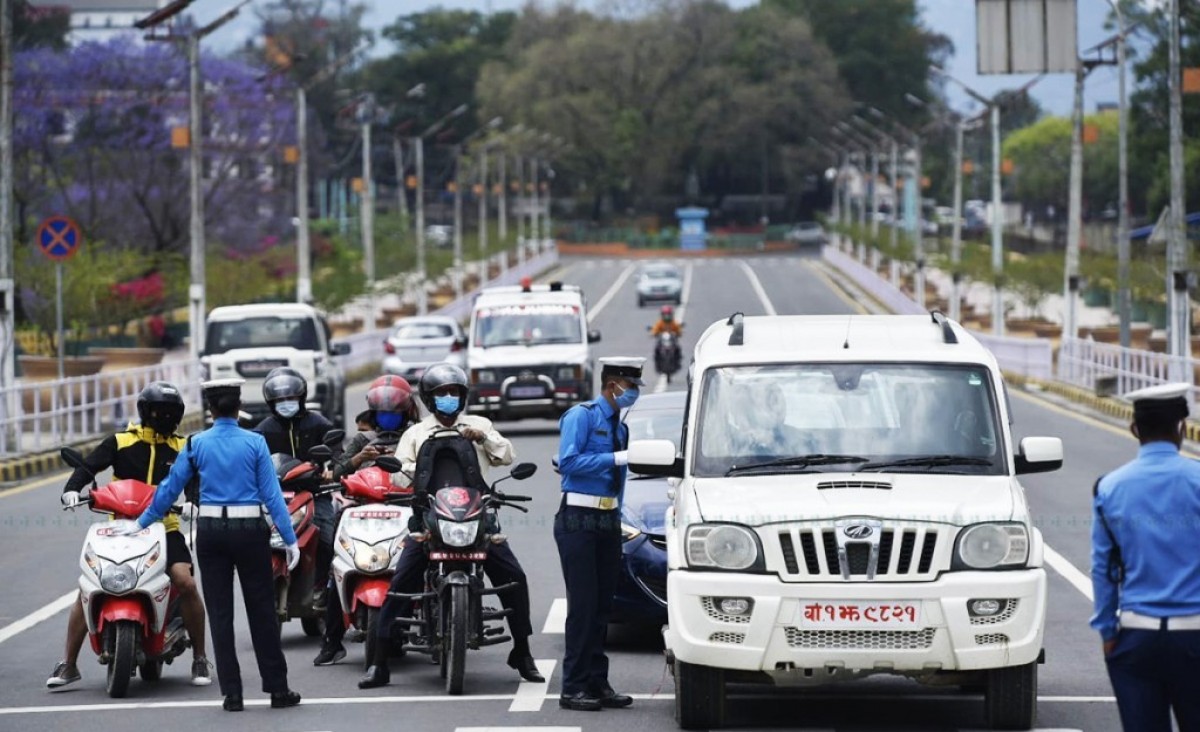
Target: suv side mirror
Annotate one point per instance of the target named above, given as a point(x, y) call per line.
point(1039, 455)
point(655, 457)
point(593, 336)
point(339, 349)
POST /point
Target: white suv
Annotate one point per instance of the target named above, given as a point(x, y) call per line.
point(247, 341)
point(846, 504)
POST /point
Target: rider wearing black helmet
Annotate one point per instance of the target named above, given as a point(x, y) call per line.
point(143, 452)
point(293, 430)
point(443, 391)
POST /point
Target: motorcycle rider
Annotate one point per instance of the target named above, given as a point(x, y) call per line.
point(293, 430)
point(390, 408)
point(666, 323)
point(144, 451)
point(443, 391)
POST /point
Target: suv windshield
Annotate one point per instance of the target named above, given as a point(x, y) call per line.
point(527, 325)
point(264, 332)
point(929, 418)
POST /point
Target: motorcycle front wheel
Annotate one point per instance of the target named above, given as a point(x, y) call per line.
point(124, 654)
point(456, 651)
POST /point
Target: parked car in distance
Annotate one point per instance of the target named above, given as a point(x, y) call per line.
point(414, 344)
point(807, 233)
point(641, 595)
point(659, 281)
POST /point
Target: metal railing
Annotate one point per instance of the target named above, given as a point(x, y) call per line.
point(1107, 367)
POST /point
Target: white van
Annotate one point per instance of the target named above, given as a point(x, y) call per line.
point(529, 351)
point(847, 504)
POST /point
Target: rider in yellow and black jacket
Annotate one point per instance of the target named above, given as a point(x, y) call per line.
point(144, 452)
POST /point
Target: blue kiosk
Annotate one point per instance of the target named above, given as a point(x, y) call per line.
point(692, 234)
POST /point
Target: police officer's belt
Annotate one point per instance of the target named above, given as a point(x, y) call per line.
point(230, 511)
point(584, 500)
point(1137, 621)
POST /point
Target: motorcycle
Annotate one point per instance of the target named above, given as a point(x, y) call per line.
point(449, 617)
point(667, 354)
point(129, 603)
point(296, 590)
point(370, 535)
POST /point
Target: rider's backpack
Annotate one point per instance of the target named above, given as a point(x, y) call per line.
point(445, 460)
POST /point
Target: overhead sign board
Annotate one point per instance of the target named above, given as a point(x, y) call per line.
point(1026, 36)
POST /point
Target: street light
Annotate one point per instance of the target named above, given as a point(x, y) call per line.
point(835, 212)
point(419, 146)
point(458, 217)
point(196, 291)
point(879, 135)
point(7, 321)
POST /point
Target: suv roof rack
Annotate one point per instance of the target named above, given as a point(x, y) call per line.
point(939, 318)
point(738, 336)
point(517, 289)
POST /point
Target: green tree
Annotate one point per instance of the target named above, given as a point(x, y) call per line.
point(1041, 154)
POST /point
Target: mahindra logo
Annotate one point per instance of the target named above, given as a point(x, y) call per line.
point(858, 531)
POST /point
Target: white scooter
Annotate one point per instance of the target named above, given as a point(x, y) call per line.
point(370, 535)
point(129, 603)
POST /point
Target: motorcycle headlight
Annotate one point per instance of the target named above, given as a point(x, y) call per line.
point(991, 546)
point(722, 546)
point(458, 534)
point(117, 579)
point(629, 533)
point(372, 557)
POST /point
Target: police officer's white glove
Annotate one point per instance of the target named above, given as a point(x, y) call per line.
point(71, 499)
point(621, 458)
point(293, 556)
point(125, 527)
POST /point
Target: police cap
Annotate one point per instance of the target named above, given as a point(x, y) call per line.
point(624, 367)
point(1165, 401)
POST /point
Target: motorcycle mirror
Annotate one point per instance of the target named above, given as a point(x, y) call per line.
point(319, 453)
point(388, 464)
point(73, 457)
point(333, 438)
point(523, 471)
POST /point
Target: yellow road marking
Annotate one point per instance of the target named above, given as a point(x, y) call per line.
point(39, 483)
point(836, 289)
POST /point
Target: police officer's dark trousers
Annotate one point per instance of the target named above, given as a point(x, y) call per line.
point(589, 547)
point(1154, 672)
point(501, 568)
point(242, 544)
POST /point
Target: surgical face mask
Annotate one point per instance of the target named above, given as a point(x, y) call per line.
point(447, 404)
point(287, 408)
point(627, 397)
point(389, 421)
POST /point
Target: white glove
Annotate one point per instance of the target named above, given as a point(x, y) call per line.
point(71, 499)
point(621, 458)
point(293, 556)
point(125, 527)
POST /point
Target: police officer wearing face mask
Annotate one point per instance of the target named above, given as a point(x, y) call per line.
point(293, 430)
point(591, 458)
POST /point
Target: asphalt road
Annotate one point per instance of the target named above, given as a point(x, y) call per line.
point(40, 547)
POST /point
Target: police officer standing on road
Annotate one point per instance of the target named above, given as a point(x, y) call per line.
point(592, 458)
point(236, 480)
point(1146, 572)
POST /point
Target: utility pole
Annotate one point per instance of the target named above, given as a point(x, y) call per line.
point(196, 292)
point(1179, 254)
point(483, 207)
point(1123, 300)
point(419, 150)
point(401, 190)
point(502, 201)
point(997, 227)
point(303, 256)
point(534, 230)
point(368, 210)
point(956, 227)
point(458, 222)
point(8, 405)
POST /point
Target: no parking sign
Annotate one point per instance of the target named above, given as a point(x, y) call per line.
point(59, 238)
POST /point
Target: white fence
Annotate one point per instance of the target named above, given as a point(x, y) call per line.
point(42, 415)
point(1032, 357)
point(1084, 362)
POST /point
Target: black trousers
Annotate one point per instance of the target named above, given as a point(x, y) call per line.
point(222, 546)
point(1153, 673)
point(589, 547)
point(501, 567)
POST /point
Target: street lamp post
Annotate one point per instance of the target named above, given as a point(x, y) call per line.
point(418, 143)
point(7, 318)
point(458, 213)
point(912, 194)
point(1179, 248)
point(367, 214)
point(879, 135)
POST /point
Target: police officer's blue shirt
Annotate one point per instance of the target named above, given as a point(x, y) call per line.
point(585, 451)
point(237, 471)
point(1152, 506)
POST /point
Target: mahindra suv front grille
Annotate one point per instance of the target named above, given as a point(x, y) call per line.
point(885, 554)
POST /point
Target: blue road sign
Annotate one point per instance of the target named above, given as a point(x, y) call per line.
point(59, 238)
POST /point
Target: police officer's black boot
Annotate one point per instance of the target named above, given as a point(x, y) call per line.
point(378, 674)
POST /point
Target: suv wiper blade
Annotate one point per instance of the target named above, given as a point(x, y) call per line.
point(797, 462)
point(929, 461)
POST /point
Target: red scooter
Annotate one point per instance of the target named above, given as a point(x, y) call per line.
point(295, 590)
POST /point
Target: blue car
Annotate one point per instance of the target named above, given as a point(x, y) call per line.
point(641, 596)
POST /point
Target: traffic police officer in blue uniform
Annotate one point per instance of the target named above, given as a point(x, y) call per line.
point(236, 480)
point(592, 459)
point(1146, 569)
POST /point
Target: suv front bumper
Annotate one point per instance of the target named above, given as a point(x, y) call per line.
point(775, 638)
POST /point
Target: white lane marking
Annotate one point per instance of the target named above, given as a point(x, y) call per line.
point(612, 292)
point(1069, 571)
point(531, 695)
point(758, 289)
point(661, 384)
point(518, 729)
point(45, 612)
point(685, 294)
point(556, 621)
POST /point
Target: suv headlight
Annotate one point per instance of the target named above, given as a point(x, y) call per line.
point(567, 373)
point(992, 546)
point(723, 546)
point(458, 534)
point(485, 376)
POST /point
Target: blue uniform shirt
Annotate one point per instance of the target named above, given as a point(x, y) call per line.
point(585, 449)
point(237, 471)
point(1152, 506)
